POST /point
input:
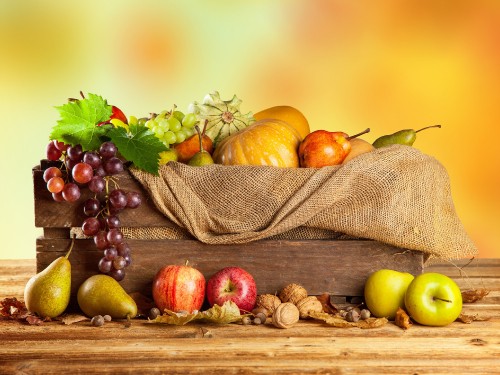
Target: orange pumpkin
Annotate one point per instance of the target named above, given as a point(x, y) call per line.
point(267, 142)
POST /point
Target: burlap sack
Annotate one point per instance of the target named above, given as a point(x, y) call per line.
point(396, 195)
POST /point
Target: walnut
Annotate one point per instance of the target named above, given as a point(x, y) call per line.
point(309, 304)
point(268, 301)
point(286, 315)
point(292, 293)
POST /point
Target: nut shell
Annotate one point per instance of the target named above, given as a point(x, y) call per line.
point(293, 293)
point(286, 315)
point(269, 302)
point(307, 305)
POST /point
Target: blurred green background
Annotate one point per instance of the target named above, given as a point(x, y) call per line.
point(346, 65)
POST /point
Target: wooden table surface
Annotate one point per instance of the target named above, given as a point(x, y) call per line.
point(308, 347)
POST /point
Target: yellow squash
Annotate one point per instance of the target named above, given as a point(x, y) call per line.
point(288, 114)
point(267, 142)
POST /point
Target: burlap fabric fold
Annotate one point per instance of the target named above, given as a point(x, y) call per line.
point(397, 195)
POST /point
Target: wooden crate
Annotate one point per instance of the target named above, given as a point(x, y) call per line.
point(339, 267)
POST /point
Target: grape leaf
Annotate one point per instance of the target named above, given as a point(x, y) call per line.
point(139, 145)
point(78, 121)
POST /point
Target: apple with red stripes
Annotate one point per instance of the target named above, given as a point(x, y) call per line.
point(179, 288)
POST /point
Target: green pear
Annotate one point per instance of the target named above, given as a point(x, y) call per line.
point(48, 292)
point(103, 295)
point(202, 157)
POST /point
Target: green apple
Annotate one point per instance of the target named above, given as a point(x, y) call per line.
point(433, 299)
point(385, 292)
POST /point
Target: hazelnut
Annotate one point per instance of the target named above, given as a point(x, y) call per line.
point(286, 315)
point(292, 293)
point(268, 301)
point(309, 304)
point(262, 310)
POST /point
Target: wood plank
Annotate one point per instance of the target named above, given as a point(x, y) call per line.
point(336, 267)
point(308, 347)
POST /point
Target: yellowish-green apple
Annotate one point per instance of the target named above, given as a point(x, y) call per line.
point(433, 299)
point(385, 292)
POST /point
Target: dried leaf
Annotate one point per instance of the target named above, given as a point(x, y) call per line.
point(34, 320)
point(12, 308)
point(402, 319)
point(326, 302)
point(468, 319)
point(229, 312)
point(474, 295)
point(144, 304)
point(72, 318)
point(339, 322)
point(178, 319)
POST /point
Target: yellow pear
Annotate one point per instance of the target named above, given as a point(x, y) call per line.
point(358, 147)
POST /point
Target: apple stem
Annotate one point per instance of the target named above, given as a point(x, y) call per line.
point(442, 299)
point(428, 127)
point(367, 130)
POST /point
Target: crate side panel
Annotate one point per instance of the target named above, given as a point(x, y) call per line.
point(336, 267)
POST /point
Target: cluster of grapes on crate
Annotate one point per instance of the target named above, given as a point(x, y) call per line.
point(95, 170)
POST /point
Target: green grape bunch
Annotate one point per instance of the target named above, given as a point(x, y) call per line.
point(172, 127)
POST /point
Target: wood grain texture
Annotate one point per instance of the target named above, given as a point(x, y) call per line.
point(50, 214)
point(337, 267)
point(307, 348)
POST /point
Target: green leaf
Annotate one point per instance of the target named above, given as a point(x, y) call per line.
point(78, 121)
point(139, 145)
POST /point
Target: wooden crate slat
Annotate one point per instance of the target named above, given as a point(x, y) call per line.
point(337, 267)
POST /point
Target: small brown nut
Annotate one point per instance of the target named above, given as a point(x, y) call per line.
point(261, 316)
point(292, 293)
point(257, 321)
point(307, 305)
point(97, 321)
point(262, 310)
point(352, 316)
point(154, 313)
point(107, 318)
point(268, 301)
point(286, 315)
point(246, 320)
point(365, 314)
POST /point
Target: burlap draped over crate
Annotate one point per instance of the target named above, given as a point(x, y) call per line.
point(397, 195)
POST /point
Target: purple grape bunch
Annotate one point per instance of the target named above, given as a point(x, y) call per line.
point(94, 170)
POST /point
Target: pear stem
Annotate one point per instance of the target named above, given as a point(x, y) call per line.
point(199, 137)
point(71, 246)
point(357, 135)
point(442, 299)
point(428, 127)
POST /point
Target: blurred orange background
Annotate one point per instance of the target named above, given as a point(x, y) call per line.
point(347, 65)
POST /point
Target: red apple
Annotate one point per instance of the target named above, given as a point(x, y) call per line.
point(115, 113)
point(179, 288)
point(232, 284)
